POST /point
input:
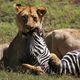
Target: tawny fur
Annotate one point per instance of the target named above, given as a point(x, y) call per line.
point(62, 41)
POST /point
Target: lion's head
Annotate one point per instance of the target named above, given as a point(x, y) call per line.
point(29, 17)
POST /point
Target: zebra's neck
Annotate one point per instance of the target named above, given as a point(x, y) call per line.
point(40, 50)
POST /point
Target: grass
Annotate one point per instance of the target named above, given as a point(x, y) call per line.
point(60, 14)
point(7, 32)
point(19, 76)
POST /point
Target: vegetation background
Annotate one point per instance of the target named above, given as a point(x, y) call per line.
point(60, 14)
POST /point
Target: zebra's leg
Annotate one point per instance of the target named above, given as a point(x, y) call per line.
point(34, 69)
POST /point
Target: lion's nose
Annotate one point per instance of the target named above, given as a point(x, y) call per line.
point(28, 27)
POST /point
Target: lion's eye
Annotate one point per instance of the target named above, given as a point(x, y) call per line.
point(34, 18)
point(25, 18)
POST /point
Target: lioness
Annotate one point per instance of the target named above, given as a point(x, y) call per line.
point(62, 41)
point(18, 54)
point(28, 18)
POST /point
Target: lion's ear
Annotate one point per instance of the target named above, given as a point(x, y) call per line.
point(18, 7)
point(41, 11)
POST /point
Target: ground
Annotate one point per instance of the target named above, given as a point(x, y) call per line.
point(19, 76)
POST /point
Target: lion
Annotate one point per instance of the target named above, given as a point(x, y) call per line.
point(62, 41)
point(17, 55)
point(27, 18)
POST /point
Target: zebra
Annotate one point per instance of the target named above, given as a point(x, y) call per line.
point(39, 52)
point(70, 64)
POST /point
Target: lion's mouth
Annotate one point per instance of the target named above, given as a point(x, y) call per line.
point(29, 29)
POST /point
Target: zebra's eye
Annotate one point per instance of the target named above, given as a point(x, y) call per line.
point(25, 18)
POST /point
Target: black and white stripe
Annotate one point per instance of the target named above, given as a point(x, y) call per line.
point(39, 50)
point(70, 63)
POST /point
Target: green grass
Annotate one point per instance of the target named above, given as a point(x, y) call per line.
point(7, 32)
point(19, 76)
point(60, 14)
